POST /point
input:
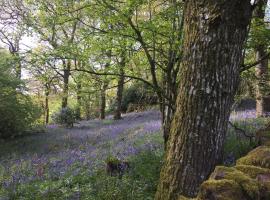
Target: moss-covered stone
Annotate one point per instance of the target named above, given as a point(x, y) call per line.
point(249, 179)
point(250, 187)
point(257, 157)
point(252, 171)
point(221, 190)
point(186, 198)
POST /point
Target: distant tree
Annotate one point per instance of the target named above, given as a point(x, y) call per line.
point(12, 30)
point(150, 29)
point(42, 70)
point(260, 47)
point(120, 86)
point(54, 25)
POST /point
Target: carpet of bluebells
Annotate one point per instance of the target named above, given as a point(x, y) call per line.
point(70, 163)
point(59, 153)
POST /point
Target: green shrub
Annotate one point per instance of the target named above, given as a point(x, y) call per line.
point(65, 116)
point(138, 94)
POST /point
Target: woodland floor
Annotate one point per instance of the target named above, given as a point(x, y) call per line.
point(88, 144)
point(61, 161)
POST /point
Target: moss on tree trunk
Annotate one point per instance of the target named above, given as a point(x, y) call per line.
point(214, 36)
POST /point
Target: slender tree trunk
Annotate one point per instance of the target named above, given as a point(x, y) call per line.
point(172, 69)
point(214, 36)
point(66, 75)
point(104, 86)
point(88, 107)
point(18, 68)
point(120, 89)
point(79, 100)
point(167, 113)
point(47, 110)
point(17, 64)
point(102, 101)
point(262, 101)
point(168, 105)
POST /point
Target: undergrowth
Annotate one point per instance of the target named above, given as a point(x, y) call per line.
point(138, 183)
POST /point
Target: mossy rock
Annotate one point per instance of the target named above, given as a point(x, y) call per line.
point(263, 137)
point(252, 171)
point(250, 187)
point(185, 198)
point(221, 190)
point(257, 157)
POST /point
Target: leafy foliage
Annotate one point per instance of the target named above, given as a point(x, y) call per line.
point(137, 94)
point(259, 34)
point(18, 112)
point(65, 116)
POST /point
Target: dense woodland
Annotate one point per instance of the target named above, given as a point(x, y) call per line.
point(169, 79)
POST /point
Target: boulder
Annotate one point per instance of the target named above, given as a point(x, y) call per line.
point(258, 157)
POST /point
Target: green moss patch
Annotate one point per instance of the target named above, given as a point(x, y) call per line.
point(249, 186)
point(257, 157)
point(252, 171)
point(221, 190)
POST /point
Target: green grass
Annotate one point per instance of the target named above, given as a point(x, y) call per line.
point(107, 121)
point(139, 183)
point(239, 145)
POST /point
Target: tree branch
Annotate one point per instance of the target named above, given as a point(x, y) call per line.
point(248, 66)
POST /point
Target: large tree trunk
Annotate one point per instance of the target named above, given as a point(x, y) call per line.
point(66, 75)
point(120, 89)
point(214, 33)
point(262, 101)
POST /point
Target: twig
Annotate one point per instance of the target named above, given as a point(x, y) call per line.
point(242, 131)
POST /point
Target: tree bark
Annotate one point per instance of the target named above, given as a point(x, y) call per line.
point(79, 100)
point(102, 101)
point(66, 75)
point(120, 89)
point(170, 82)
point(214, 36)
point(47, 110)
point(166, 119)
point(262, 101)
point(18, 66)
point(168, 105)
